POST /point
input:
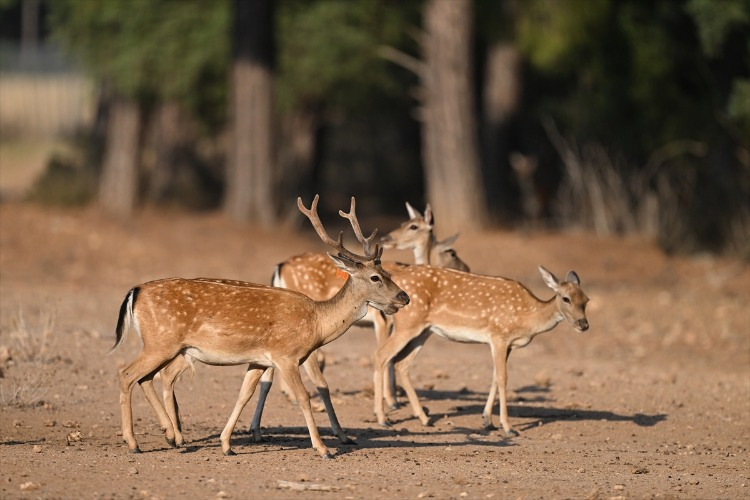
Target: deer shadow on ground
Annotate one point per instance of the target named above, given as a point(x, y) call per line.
point(532, 403)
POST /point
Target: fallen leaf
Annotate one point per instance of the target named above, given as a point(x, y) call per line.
point(30, 486)
point(291, 485)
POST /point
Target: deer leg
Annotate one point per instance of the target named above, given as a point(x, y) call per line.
point(265, 386)
point(165, 422)
point(316, 406)
point(249, 382)
point(383, 326)
point(290, 372)
point(316, 375)
point(169, 376)
point(500, 355)
point(140, 368)
point(384, 355)
point(402, 363)
point(487, 413)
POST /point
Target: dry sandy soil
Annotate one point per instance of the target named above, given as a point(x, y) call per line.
point(652, 402)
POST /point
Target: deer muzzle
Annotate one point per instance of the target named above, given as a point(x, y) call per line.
point(402, 299)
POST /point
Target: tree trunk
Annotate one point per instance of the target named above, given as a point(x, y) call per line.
point(118, 185)
point(296, 160)
point(173, 175)
point(249, 185)
point(450, 144)
point(501, 98)
point(167, 142)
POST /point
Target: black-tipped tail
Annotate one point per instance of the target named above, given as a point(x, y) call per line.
point(126, 311)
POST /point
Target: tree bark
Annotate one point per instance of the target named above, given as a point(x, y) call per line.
point(249, 185)
point(118, 185)
point(297, 160)
point(450, 143)
point(501, 99)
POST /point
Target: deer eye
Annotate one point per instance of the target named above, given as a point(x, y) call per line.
point(413, 227)
point(566, 300)
point(375, 278)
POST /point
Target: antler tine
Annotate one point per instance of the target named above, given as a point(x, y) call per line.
point(352, 217)
point(312, 214)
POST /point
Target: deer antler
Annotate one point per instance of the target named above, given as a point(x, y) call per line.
point(312, 214)
point(352, 218)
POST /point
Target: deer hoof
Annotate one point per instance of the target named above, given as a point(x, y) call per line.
point(229, 453)
point(327, 456)
point(512, 433)
point(385, 424)
point(171, 442)
point(135, 450)
point(347, 440)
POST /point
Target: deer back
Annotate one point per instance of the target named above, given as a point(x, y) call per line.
point(224, 321)
point(469, 304)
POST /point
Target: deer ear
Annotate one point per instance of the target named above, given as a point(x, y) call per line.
point(450, 240)
point(573, 278)
point(342, 262)
point(549, 279)
point(413, 213)
point(428, 215)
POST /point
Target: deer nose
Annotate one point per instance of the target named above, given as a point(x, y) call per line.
point(386, 241)
point(402, 297)
point(583, 324)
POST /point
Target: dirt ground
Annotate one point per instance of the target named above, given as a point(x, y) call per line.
point(652, 402)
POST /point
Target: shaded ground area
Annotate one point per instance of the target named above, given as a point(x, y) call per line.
point(652, 402)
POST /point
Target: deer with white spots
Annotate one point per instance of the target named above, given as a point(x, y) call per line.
point(314, 275)
point(222, 322)
point(471, 308)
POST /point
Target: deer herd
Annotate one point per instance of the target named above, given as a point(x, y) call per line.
point(313, 300)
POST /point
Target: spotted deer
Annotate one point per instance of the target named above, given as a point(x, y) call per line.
point(315, 276)
point(417, 234)
point(224, 322)
point(470, 308)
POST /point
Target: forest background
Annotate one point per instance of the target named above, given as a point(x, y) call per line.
point(614, 116)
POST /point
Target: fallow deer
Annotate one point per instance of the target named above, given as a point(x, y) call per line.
point(417, 234)
point(471, 308)
point(224, 322)
point(315, 276)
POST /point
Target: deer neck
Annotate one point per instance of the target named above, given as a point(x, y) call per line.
point(545, 317)
point(423, 250)
point(341, 311)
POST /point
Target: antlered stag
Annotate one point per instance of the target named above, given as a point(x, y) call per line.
point(223, 322)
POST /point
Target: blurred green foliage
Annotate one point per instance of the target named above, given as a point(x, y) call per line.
point(152, 51)
point(328, 52)
point(637, 74)
point(631, 75)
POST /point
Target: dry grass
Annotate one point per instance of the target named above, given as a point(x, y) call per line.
point(30, 344)
point(26, 390)
point(29, 374)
